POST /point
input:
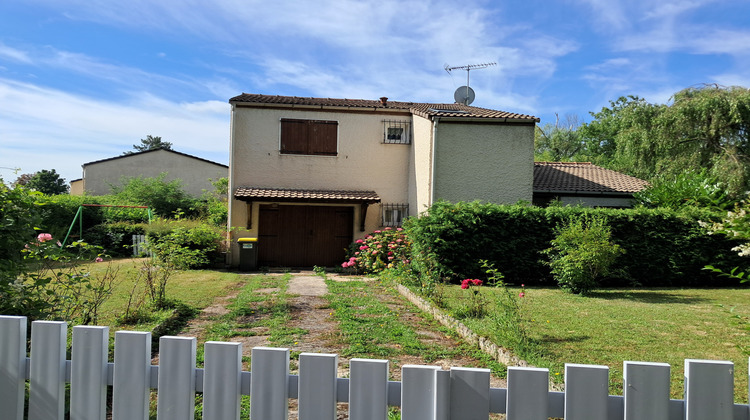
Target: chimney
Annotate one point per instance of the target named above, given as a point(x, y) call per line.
point(384, 101)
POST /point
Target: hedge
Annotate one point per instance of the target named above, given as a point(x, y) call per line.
point(662, 247)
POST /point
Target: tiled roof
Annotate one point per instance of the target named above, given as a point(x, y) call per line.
point(151, 151)
point(582, 177)
point(282, 194)
point(423, 109)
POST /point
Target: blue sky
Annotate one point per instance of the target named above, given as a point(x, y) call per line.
point(83, 80)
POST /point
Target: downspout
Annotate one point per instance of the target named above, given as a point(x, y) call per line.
point(435, 122)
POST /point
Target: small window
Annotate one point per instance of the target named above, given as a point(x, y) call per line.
point(309, 137)
point(394, 214)
point(396, 132)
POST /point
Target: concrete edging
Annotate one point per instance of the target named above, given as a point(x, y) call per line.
point(498, 353)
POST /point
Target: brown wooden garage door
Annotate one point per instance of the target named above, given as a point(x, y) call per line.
point(304, 236)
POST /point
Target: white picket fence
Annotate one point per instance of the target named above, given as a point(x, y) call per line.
point(424, 392)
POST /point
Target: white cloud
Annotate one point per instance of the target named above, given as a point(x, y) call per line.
point(46, 128)
point(14, 54)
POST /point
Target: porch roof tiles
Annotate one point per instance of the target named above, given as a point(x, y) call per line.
point(299, 195)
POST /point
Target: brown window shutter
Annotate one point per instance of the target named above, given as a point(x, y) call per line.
point(294, 135)
point(323, 135)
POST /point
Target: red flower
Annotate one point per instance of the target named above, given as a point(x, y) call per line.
point(522, 294)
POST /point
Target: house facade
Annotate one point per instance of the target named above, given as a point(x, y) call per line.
point(194, 173)
point(309, 175)
point(584, 184)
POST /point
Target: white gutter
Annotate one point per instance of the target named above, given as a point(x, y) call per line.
point(432, 161)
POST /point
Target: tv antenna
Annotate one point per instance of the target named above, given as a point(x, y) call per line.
point(464, 94)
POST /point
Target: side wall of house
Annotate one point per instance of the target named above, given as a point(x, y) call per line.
point(487, 162)
point(193, 173)
point(420, 175)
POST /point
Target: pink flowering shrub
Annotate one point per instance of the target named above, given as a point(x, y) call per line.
point(387, 248)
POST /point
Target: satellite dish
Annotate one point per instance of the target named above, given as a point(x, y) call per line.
point(464, 95)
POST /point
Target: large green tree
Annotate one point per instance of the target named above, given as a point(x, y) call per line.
point(558, 142)
point(150, 143)
point(704, 127)
point(47, 182)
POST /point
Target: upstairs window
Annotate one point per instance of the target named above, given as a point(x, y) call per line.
point(394, 214)
point(309, 137)
point(396, 132)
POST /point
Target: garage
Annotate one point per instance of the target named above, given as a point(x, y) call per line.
point(304, 236)
point(304, 228)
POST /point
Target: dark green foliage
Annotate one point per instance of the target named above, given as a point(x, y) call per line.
point(47, 182)
point(662, 247)
point(18, 217)
point(150, 143)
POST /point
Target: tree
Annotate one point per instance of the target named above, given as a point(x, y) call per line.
point(705, 127)
point(22, 180)
point(558, 142)
point(47, 182)
point(150, 143)
point(165, 198)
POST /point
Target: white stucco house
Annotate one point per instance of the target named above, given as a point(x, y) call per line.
point(309, 175)
point(194, 173)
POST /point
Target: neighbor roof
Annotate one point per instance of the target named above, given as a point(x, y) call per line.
point(283, 194)
point(154, 150)
point(426, 110)
point(582, 177)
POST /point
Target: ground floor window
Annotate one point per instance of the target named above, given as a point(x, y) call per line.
point(394, 214)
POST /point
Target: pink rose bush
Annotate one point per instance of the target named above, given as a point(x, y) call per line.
point(379, 250)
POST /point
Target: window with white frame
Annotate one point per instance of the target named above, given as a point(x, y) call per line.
point(394, 214)
point(396, 132)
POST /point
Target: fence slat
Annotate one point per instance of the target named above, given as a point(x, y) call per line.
point(12, 365)
point(47, 376)
point(646, 390)
point(709, 390)
point(221, 380)
point(269, 387)
point(528, 390)
point(176, 385)
point(368, 389)
point(470, 393)
point(88, 378)
point(132, 376)
point(586, 391)
point(418, 392)
point(317, 386)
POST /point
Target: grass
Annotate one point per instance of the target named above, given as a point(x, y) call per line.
point(195, 288)
point(612, 326)
point(372, 324)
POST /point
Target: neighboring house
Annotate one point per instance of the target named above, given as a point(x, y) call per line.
point(582, 183)
point(194, 173)
point(309, 175)
point(76, 187)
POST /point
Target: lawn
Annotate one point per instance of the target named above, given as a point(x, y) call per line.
point(612, 326)
point(195, 288)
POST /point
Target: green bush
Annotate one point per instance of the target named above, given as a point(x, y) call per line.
point(662, 247)
point(581, 253)
point(166, 198)
point(202, 243)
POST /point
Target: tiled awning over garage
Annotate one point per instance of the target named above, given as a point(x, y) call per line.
point(305, 196)
point(333, 197)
